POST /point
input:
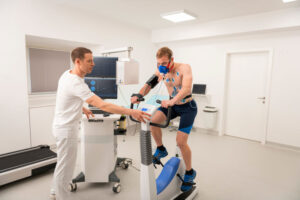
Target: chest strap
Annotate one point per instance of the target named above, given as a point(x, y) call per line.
point(186, 97)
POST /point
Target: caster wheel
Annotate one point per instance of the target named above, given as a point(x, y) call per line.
point(117, 188)
point(124, 165)
point(72, 187)
point(129, 161)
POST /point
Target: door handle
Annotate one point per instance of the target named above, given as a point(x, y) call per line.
point(262, 98)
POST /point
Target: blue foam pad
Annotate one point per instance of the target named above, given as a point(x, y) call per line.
point(167, 174)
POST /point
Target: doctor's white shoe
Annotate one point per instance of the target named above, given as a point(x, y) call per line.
point(52, 197)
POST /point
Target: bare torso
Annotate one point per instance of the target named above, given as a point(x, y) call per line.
point(173, 81)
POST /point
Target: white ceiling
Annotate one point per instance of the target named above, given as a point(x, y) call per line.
point(146, 13)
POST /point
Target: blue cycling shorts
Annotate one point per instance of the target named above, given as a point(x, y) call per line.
point(187, 113)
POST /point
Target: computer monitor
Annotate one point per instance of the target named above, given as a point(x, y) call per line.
point(199, 89)
point(106, 88)
point(105, 67)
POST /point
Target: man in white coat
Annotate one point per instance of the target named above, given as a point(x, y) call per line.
point(72, 92)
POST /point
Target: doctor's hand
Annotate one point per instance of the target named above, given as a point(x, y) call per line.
point(87, 112)
point(140, 115)
point(167, 103)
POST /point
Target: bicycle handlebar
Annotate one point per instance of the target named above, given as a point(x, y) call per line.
point(165, 125)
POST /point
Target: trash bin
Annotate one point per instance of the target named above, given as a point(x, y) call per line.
point(210, 117)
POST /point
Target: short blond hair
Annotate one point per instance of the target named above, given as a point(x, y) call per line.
point(164, 51)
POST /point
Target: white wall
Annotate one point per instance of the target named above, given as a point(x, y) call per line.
point(206, 57)
point(14, 123)
point(45, 19)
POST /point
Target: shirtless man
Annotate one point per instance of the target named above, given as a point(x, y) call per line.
point(178, 80)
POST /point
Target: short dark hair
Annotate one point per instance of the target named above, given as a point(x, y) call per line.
point(164, 51)
point(79, 52)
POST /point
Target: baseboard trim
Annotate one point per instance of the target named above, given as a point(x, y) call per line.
point(206, 131)
point(282, 146)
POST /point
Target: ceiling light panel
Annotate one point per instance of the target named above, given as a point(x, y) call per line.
point(178, 16)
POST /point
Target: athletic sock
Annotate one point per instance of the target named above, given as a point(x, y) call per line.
point(190, 172)
point(161, 148)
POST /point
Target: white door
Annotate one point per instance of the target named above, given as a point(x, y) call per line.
point(245, 107)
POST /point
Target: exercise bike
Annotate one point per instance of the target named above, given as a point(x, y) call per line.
point(167, 185)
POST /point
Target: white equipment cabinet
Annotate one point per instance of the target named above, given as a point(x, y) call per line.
point(99, 152)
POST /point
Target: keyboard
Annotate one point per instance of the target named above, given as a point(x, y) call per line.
point(100, 112)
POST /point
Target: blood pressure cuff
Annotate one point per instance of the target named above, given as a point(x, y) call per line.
point(153, 81)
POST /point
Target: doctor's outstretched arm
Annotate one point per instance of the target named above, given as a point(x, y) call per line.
point(112, 108)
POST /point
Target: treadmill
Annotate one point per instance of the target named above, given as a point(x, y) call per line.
point(25, 163)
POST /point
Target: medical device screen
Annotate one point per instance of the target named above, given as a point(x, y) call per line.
point(106, 88)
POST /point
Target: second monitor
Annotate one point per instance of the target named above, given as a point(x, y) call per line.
point(105, 67)
point(199, 89)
